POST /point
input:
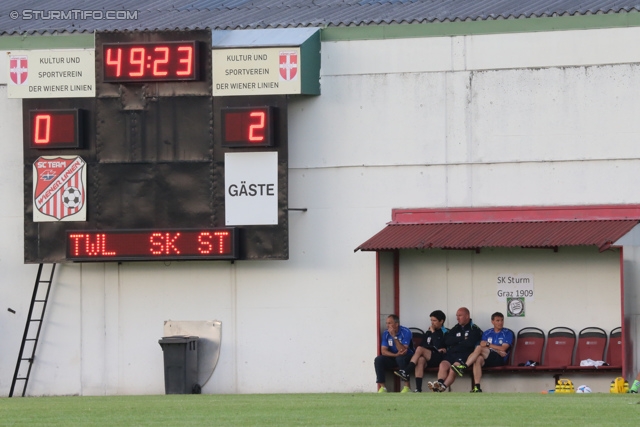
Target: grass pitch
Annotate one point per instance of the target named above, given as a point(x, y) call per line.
point(359, 409)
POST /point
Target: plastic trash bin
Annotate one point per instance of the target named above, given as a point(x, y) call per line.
point(180, 364)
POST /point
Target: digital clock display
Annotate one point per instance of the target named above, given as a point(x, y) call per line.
point(148, 245)
point(247, 127)
point(51, 129)
point(144, 62)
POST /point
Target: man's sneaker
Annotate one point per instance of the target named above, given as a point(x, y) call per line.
point(402, 374)
point(417, 391)
point(382, 390)
point(632, 391)
point(441, 387)
point(476, 389)
point(432, 385)
point(405, 389)
point(459, 369)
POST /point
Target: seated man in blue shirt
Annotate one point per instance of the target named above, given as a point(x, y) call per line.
point(493, 350)
point(395, 350)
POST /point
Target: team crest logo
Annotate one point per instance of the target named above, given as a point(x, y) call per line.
point(58, 189)
point(18, 69)
point(288, 65)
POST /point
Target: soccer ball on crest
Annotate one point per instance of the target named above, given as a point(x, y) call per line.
point(583, 389)
point(71, 197)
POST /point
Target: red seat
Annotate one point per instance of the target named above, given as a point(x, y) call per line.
point(528, 348)
point(614, 351)
point(416, 334)
point(591, 344)
point(559, 351)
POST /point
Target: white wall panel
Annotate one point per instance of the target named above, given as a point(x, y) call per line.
point(458, 119)
point(550, 183)
point(93, 326)
point(482, 52)
point(552, 49)
point(4, 65)
point(369, 120)
point(556, 114)
point(481, 117)
point(385, 56)
point(423, 287)
point(59, 352)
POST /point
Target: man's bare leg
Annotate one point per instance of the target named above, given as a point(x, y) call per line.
point(478, 351)
point(477, 373)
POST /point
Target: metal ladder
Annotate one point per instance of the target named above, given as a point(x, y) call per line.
point(32, 329)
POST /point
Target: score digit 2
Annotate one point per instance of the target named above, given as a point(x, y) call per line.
point(247, 127)
point(143, 62)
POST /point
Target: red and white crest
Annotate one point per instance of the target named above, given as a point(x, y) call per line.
point(58, 188)
point(288, 65)
point(18, 69)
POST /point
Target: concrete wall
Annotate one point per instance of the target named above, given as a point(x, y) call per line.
point(519, 119)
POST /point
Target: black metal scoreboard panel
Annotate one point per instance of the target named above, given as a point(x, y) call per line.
point(152, 144)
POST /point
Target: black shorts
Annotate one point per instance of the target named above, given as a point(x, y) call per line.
point(456, 357)
point(494, 359)
point(436, 358)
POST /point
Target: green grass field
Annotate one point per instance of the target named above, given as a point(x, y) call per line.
point(359, 409)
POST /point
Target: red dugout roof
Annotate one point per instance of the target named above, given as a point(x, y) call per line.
point(530, 227)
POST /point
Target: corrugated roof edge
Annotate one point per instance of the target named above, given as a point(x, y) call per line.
point(261, 38)
point(506, 234)
point(514, 214)
point(321, 23)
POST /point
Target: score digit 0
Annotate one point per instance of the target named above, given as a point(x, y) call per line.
point(52, 129)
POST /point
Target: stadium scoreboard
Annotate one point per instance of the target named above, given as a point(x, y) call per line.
point(143, 170)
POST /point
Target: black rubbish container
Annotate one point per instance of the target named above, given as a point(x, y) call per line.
point(180, 364)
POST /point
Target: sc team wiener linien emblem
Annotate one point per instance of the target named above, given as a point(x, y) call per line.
point(59, 189)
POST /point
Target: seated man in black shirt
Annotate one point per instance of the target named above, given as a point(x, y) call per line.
point(460, 341)
point(430, 351)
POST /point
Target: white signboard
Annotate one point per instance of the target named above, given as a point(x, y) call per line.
point(515, 286)
point(251, 188)
point(266, 71)
point(59, 189)
point(63, 73)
